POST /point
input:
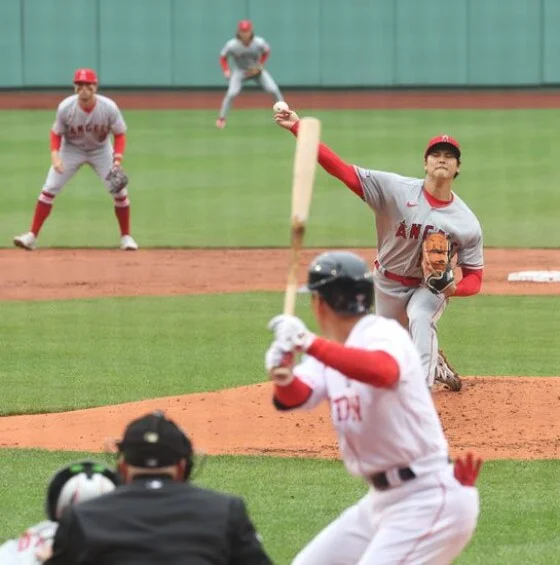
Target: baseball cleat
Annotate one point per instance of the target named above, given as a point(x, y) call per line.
point(446, 375)
point(221, 123)
point(26, 241)
point(128, 243)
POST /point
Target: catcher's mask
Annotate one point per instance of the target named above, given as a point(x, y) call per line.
point(343, 280)
point(154, 441)
point(77, 482)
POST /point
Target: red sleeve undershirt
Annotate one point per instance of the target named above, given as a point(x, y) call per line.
point(376, 368)
point(224, 64)
point(471, 282)
point(336, 166)
point(264, 57)
point(120, 144)
point(56, 141)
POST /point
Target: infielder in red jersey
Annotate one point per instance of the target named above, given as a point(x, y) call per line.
point(80, 135)
point(406, 211)
point(419, 509)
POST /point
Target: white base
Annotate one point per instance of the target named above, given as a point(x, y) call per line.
point(535, 276)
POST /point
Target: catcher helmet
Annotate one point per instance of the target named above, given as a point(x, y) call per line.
point(77, 482)
point(88, 76)
point(343, 280)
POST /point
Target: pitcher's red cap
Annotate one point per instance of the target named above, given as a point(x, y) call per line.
point(245, 25)
point(85, 75)
point(445, 139)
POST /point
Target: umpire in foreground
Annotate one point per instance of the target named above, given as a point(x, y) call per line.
point(157, 517)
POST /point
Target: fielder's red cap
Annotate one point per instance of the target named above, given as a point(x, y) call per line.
point(85, 75)
point(443, 140)
point(245, 25)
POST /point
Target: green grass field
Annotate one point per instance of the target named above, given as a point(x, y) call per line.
point(193, 185)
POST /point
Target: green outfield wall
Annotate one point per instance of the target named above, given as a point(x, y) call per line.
point(315, 43)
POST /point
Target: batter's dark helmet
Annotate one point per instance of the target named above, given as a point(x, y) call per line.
point(343, 280)
point(77, 482)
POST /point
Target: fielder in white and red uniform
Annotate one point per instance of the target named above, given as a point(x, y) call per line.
point(248, 52)
point(79, 136)
point(406, 209)
point(72, 484)
point(418, 510)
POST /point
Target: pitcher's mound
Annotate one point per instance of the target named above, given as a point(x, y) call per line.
point(497, 417)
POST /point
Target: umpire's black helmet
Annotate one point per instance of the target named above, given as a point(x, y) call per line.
point(343, 280)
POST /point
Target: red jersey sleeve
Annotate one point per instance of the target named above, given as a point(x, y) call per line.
point(336, 166)
point(471, 283)
point(56, 141)
point(376, 368)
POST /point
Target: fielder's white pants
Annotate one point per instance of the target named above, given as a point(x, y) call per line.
point(427, 521)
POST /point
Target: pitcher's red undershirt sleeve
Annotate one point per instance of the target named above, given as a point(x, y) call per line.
point(377, 368)
point(264, 57)
point(471, 282)
point(56, 141)
point(224, 64)
point(336, 166)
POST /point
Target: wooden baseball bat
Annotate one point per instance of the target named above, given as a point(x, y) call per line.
point(305, 164)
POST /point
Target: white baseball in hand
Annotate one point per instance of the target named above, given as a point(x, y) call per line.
point(281, 107)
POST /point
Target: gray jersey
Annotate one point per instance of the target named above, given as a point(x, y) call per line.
point(245, 56)
point(22, 551)
point(404, 216)
point(88, 130)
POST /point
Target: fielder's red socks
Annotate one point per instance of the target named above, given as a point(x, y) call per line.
point(42, 211)
point(123, 215)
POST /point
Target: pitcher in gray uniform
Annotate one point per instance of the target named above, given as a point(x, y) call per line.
point(406, 210)
point(249, 53)
point(79, 136)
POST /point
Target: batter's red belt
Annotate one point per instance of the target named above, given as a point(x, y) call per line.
point(405, 281)
point(380, 481)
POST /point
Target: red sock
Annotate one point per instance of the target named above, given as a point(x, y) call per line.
point(42, 211)
point(123, 216)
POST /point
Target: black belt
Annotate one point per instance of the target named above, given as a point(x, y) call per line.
point(381, 482)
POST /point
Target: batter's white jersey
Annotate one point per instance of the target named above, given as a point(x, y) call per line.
point(245, 56)
point(88, 130)
point(22, 551)
point(404, 216)
point(378, 428)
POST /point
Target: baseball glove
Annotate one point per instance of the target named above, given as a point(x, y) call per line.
point(117, 180)
point(253, 72)
point(436, 264)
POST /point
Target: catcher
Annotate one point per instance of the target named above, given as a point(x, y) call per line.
point(79, 136)
point(77, 482)
point(249, 53)
point(414, 279)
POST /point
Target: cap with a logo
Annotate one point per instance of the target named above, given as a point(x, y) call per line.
point(85, 75)
point(154, 441)
point(443, 140)
point(245, 25)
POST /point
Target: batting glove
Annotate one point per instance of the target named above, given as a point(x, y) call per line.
point(278, 364)
point(290, 333)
